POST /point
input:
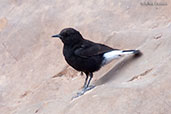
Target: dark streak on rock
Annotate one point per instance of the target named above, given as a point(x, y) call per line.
point(140, 75)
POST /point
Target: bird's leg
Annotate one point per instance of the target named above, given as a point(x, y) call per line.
point(91, 76)
point(85, 83)
point(87, 87)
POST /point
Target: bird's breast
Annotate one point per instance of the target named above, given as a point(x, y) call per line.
point(90, 64)
point(69, 56)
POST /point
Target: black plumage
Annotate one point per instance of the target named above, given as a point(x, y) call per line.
point(87, 56)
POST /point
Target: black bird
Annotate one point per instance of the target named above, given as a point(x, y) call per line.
point(87, 56)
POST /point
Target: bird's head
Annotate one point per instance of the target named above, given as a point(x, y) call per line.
point(69, 36)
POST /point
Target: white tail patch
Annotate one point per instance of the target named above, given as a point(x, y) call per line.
point(109, 56)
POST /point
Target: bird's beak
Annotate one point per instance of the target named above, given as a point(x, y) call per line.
point(57, 35)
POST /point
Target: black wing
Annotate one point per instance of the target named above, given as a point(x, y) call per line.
point(88, 49)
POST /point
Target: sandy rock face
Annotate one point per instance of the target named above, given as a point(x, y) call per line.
point(34, 77)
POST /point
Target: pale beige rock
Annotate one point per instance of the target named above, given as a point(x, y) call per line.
point(34, 77)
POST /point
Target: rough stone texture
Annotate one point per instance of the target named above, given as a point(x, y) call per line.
point(34, 78)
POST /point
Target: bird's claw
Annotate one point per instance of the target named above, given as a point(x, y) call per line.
point(88, 88)
point(83, 91)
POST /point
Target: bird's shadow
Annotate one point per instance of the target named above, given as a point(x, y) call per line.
point(112, 74)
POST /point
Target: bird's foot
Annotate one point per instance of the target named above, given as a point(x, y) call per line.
point(78, 94)
point(83, 91)
point(89, 88)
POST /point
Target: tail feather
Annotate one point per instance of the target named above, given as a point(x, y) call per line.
point(135, 52)
point(109, 56)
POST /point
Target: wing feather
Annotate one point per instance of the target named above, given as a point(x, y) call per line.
point(88, 49)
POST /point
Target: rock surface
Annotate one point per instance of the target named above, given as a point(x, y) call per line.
point(34, 77)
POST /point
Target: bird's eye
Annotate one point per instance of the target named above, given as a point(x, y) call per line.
point(66, 34)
